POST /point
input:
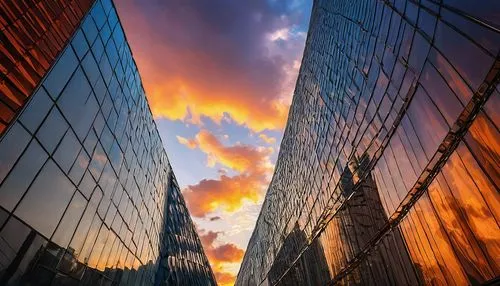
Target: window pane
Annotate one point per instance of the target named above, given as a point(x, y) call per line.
point(37, 109)
point(12, 237)
point(67, 151)
point(22, 175)
point(74, 95)
point(491, 108)
point(78, 105)
point(79, 167)
point(82, 229)
point(478, 213)
point(445, 99)
point(89, 29)
point(452, 77)
point(99, 159)
point(429, 125)
point(472, 67)
point(52, 130)
point(454, 222)
point(98, 15)
point(487, 38)
point(91, 69)
point(70, 219)
point(487, 11)
point(44, 204)
point(12, 144)
point(60, 73)
point(483, 139)
point(98, 49)
point(80, 44)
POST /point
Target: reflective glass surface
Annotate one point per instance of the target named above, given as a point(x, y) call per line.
point(388, 172)
point(87, 194)
point(183, 259)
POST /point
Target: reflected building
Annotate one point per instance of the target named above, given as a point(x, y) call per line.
point(388, 172)
point(87, 194)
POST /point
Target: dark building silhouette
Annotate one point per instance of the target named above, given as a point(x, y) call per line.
point(388, 172)
point(183, 259)
point(87, 194)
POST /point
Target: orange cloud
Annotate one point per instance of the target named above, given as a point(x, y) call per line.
point(204, 72)
point(224, 253)
point(241, 158)
point(228, 193)
point(190, 143)
point(267, 139)
point(188, 100)
point(218, 255)
point(225, 278)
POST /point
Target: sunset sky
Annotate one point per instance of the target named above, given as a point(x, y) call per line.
point(219, 76)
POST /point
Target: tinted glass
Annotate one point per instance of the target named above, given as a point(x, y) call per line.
point(388, 168)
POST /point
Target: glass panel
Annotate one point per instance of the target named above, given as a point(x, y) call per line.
point(487, 11)
point(24, 273)
point(86, 250)
point(82, 230)
point(90, 142)
point(106, 69)
point(22, 175)
point(418, 53)
point(489, 193)
point(98, 49)
point(490, 108)
point(77, 105)
point(474, 66)
point(98, 162)
point(36, 111)
point(483, 139)
point(79, 167)
point(427, 122)
point(70, 220)
point(98, 247)
point(60, 73)
point(46, 200)
point(477, 211)
point(67, 151)
point(12, 144)
point(443, 251)
point(452, 77)
point(98, 15)
point(52, 130)
point(453, 218)
point(485, 37)
point(421, 251)
point(80, 44)
point(87, 185)
point(91, 68)
point(89, 29)
point(446, 101)
point(12, 237)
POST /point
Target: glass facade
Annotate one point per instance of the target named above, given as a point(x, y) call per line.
point(84, 177)
point(183, 259)
point(388, 172)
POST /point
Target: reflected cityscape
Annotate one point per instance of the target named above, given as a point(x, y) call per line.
point(388, 172)
point(87, 193)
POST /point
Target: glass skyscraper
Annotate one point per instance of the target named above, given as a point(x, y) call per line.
point(388, 172)
point(87, 194)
